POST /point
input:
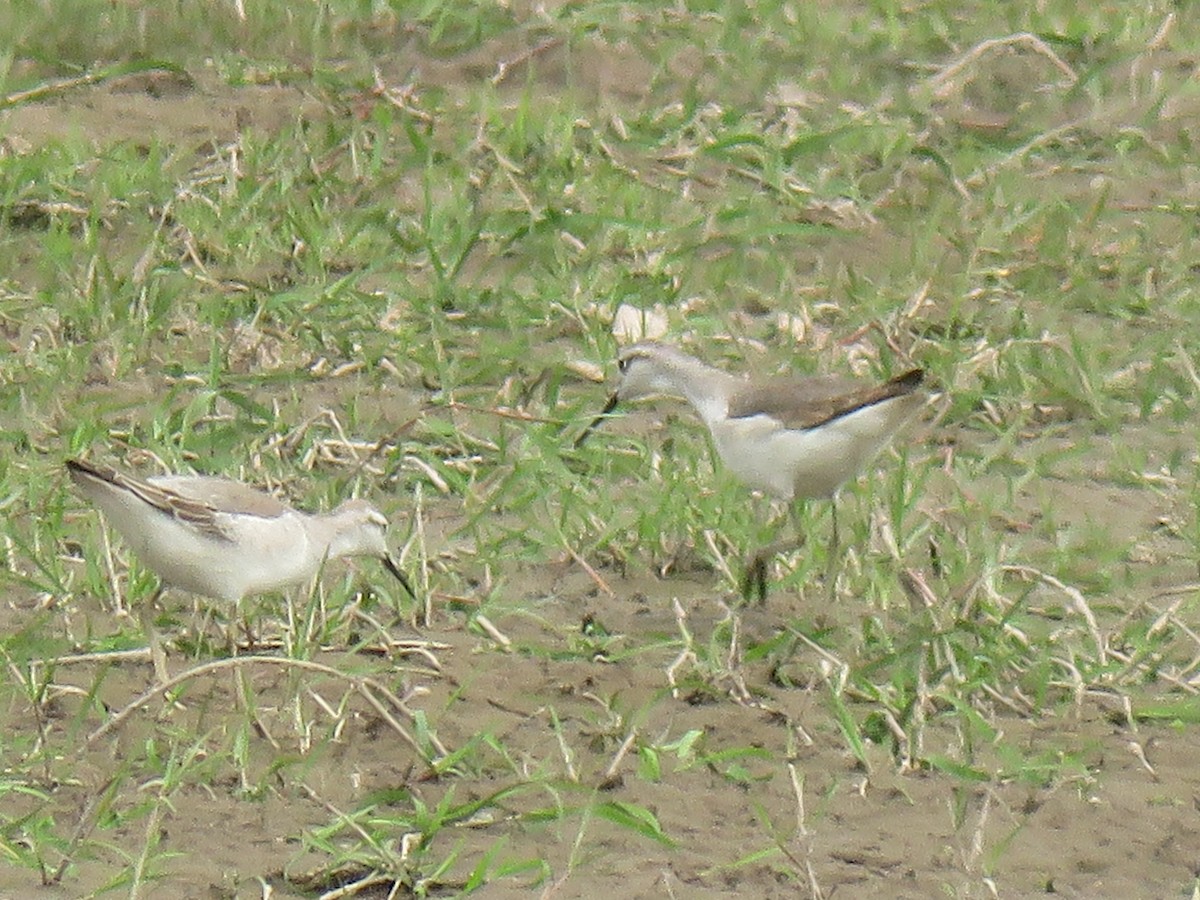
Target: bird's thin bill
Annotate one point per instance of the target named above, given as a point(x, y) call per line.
point(608, 407)
point(390, 565)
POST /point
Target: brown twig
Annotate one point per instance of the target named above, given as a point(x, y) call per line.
point(364, 685)
point(504, 66)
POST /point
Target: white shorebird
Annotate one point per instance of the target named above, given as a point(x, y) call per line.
point(223, 539)
point(793, 438)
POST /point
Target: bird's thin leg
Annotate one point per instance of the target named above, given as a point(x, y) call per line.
point(835, 545)
point(158, 656)
point(831, 562)
point(754, 579)
point(239, 634)
point(248, 631)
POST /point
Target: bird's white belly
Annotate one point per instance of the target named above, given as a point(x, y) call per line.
point(260, 558)
point(801, 463)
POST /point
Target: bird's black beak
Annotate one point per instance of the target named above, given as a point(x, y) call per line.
point(608, 407)
point(390, 565)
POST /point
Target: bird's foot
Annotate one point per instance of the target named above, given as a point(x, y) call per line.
point(754, 578)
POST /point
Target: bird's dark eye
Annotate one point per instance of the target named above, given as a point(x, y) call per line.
point(622, 364)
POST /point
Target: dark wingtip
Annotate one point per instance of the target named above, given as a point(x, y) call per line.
point(911, 379)
point(77, 468)
point(391, 566)
point(608, 407)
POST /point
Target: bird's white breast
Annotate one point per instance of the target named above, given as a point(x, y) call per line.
point(812, 462)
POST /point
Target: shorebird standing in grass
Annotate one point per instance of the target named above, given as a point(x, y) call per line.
point(793, 438)
point(223, 539)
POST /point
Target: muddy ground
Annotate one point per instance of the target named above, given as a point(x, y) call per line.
point(1117, 819)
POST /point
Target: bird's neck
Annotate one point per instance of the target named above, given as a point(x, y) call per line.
point(335, 536)
point(705, 388)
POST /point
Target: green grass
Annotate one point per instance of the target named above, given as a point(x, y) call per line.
point(370, 260)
